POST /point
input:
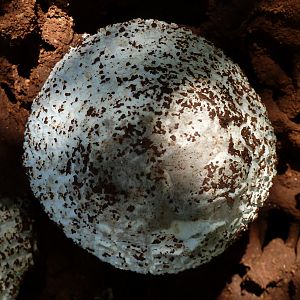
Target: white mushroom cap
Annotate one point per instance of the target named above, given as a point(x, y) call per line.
point(148, 146)
point(16, 246)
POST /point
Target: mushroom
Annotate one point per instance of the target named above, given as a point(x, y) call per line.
point(149, 148)
point(16, 246)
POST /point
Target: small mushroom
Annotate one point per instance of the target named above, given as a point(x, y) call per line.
point(149, 148)
point(16, 246)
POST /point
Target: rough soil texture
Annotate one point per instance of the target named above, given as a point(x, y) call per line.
point(263, 37)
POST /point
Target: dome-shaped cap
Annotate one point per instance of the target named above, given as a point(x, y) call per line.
point(148, 146)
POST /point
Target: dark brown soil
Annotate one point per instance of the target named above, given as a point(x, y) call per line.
point(263, 37)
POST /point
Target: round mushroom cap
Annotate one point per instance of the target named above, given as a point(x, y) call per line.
point(16, 246)
point(149, 148)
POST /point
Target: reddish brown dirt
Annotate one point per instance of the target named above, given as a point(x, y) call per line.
point(263, 37)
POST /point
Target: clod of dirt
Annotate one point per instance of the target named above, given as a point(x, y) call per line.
point(12, 120)
point(284, 192)
point(268, 72)
point(17, 19)
point(267, 269)
point(12, 123)
point(131, 109)
point(57, 28)
point(279, 21)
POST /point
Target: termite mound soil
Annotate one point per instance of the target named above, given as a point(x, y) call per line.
point(263, 37)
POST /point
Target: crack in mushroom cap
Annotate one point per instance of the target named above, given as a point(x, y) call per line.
point(148, 146)
point(16, 246)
